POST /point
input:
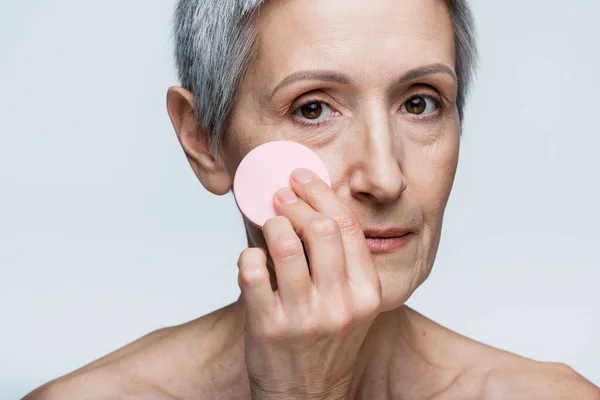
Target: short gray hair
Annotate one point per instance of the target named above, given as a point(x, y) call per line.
point(215, 42)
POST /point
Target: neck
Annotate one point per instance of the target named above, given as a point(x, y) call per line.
point(395, 360)
point(397, 356)
point(401, 353)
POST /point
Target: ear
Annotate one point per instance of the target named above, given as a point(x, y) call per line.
point(195, 142)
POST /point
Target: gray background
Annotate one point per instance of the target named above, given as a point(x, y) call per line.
point(105, 234)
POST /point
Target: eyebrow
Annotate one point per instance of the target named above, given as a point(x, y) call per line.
point(333, 76)
point(312, 75)
point(426, 70)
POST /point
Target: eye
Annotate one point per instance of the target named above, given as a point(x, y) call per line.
point(314, 112)
point(420, 105)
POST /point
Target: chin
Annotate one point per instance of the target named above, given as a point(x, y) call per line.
point(400, 275)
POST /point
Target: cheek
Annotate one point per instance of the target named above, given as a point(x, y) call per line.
point(446, 166)
point(430, 172)
point(244, 134)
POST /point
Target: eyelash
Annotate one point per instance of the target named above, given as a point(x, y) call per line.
point(305, 121)
point(438, 104)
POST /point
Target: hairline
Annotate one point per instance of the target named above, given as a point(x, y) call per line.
point(216, 120)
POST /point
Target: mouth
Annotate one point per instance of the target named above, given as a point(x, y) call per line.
point(387, 240)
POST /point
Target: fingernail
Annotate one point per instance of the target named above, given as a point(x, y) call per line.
point(302, 176)
point(286, 196)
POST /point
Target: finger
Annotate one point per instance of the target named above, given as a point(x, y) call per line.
point(291, 269)
point(253, 280)
point(323, 199)
point(322, 238)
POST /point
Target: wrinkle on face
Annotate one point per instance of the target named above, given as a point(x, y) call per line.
point(373, 47)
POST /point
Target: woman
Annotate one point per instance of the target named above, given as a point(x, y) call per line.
point(377, 89)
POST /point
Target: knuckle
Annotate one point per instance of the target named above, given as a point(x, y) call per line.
point(348, 223)
point(371, 300)
point(252, 275)
point(252, 256)
point(274, 329)
point(323, 227)
point(308, 329)
point(252, 265)
point(270, 333)
point(314, 331)
point(262, 334)
point(276, 222)
point(285, 247)
point(341, 320)
point(313, 191)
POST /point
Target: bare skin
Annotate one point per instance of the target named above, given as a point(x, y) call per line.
point(204, 359)
point(388, 131)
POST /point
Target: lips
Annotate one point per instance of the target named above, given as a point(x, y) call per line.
point(386, 233)
point(387, 240)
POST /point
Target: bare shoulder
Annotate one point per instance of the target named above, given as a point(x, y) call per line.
point(527, 379)
point(104, 382)
point(167, 364)
point(490, 373)
point(104, 378)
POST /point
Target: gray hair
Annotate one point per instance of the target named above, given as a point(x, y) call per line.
point(215, 42)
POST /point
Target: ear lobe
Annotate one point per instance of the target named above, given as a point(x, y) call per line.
point(181, 107)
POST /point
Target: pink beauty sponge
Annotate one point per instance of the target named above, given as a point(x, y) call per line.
point(265, 170)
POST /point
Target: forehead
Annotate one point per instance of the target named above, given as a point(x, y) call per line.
point(363, 38)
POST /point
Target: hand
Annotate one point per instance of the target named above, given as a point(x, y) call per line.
point(303, 338)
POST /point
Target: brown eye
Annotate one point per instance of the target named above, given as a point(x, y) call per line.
point(416, 105)
point(312, 110)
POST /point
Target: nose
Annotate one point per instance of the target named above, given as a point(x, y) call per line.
point(377, 175)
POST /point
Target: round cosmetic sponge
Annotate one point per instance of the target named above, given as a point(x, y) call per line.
point(265, 170)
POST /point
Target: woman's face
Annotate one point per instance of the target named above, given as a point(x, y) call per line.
point(370, 87)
